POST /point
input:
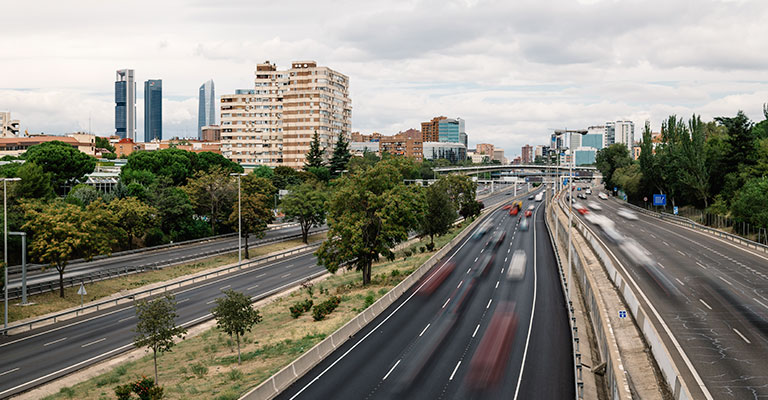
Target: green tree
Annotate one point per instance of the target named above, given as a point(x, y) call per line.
point(103, 143)
point(629, 178)
point(61, 232)
point(263, 171)
point(205, 160)
point(83, 195)
point(284, 177)
point(439, 213)
point(460, 189)
point(134, 217)
point(341, 156)
point(750, 204)
point(368, 214)
point(65, 163)
point(256, 207)
point(315, 154)
point(368, 160)
point(610, 159)
point(694, 172)
point(176, 213)
point(305, 204)
point(156, 326)
point(173, 163)
point(211, 193)
point(35, 183)
point(235, 315)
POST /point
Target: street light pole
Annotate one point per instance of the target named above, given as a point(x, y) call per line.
point(239, 221)
point(5, 247)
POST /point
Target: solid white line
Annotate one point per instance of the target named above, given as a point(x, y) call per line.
point(178, 302)
point(454, 371)
point(225, 287)
point(489, 303)
point(759, 302)
point(259, 276)
point(700, 265)
point(126, 319)
point(424, 330)
point(742, 336)
point(724, 280)
point(9, 371)
point(497, 285)
point(661, 265)
point(94, 342)
point(390, 370)
point(459, 284)
point(533, 311)
point(286, 275)
point(55, 341)
point(705, 303)
point(682, 253)
point(252, 287)
point(681, 282)
point(475, 332)
point(446, 303)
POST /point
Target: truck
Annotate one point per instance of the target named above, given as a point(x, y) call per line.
point(539, 197)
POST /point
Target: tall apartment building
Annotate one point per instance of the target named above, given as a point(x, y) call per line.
point(527, 154)
point(485, 148)
point(443, 129)
point(430, 130)
point(125, 104)
point(8, 127)
point(206, 108)
point(274, 123)
point(407, 144)
point(211, 133)
point(624, 132)
point(153, 110)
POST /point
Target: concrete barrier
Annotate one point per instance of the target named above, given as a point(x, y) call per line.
point(295, 370)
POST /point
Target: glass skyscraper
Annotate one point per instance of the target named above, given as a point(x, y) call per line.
point(452, 131)
point(125, 104)
point(153, 110)
point(206, 108)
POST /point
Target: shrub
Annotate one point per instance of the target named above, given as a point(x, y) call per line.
point(69, 392)
point(155, 393)
point(395, 272)
point(235, 375)
point(143, 387)
point(300, 307)
point(199, 370)
point(321, 310)
point(369, 299)
point(407, 253)
point(123, 392)
point(422, 249)
point(430, 246)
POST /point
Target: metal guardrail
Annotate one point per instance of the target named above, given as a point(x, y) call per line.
point(159, 289)
point(113, 272)
point(695, 225)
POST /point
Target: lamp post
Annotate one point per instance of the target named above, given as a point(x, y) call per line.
point(239, 221)
point(570, 201)
point(5, 246)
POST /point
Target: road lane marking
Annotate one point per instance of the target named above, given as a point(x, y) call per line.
point(390, 370)
point(700, 265)
point(459, 284)
point(424, 330)
point(469, 269)
point(55, 341)
point(508, 250)
point(211, 302)
point(94, 342)
point(180, 301)
point(502, 270)
point(475, 332)
point(489, 303)
point(289, 266)
point(665, 243)
point(742, 336)
point(705, 303)
point(252, 287)
point(497, 285)
point(683, 254)
point(759, 302)
point(126, 319)
point(454, 371)
point(724, 280)
point(286, 275)
point(259, 276)
point(681, 282)
point(661, 265)
point(483, 249)
point(533, 311)
point(225, 287)
point(9, 371)
point(505, 259)
point(446, 303)
point(475, 260)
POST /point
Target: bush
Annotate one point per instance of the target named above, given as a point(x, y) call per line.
point(199, 370)
point(369, 299)
point(235, 375)
point(156, 393)
point(430, 246)
point(123, 392)
point(143, 387)
point(321, 310)
point(69, 392)
point(407, 253)
point(395, 272)
point(422, 249)
point(300, 307)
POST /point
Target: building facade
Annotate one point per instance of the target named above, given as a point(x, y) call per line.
point(407, 144)
point(18, 145)
point(527, 154)
point(484, 148)
point(430, 130)
point(624, 132)
point(452, 131)
point(153, 110)
point(274, 123)
point(206, 108)
point(584, 155)
point(8, 127)
point(125, 104)
point(211, 133)
point(453, 152)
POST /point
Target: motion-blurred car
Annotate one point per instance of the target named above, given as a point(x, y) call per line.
point(516, 270)
point(593, 205)
point(524, 225)
point(589, 191)
point(528, 213)
point(580, 208)
point(626, 214)
point(498, 238)
point(603, 196)
point(530, 197)
point(481, 231)
point(582, 196)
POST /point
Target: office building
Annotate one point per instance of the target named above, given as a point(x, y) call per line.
point(624, 132)
point(584, 155)
point(153, 110)
point(274, 123)
point(556, 142)
point(498, 155)
point(206, 108)
point(443, 129)
point(8, 127)
point(539, 151)
point(451, 151)
point(527, 154)
point(594, 137)
point(125, 104)
point(430, 131)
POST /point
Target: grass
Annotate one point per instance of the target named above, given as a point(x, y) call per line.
point(50, 302)
point(205, 366)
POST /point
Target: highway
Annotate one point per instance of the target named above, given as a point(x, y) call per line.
point(467, 330)
point(712, 295)
point(44, 354)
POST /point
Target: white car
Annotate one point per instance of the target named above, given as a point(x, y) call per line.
point(602, 196)
point(593, 205)
point(626, 214)
point(589, 191)
point(516, 270)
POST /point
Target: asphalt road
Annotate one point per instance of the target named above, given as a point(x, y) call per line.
point(712, 295)
point(453, 342)
point(44, 354)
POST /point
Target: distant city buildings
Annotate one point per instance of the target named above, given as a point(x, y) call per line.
point(453, 152)
point(407, 144)
point(8, 127)
point(527, 154)
point(430, 130)
point(18, 145)
point(153, 110)
point(125, 147)
point(484, 148)
point(211, 133)
point(125, 104)
point(273, 124)
point(206, 110)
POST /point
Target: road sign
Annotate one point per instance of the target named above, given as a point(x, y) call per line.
point(645, 198)
point(615, 189)
point(659, 199)
point(622, 314)
point(81, 291)
point(675, 210)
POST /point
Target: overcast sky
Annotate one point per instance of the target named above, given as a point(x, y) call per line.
point(514, 70)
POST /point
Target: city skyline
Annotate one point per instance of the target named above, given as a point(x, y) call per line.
point(581, 64)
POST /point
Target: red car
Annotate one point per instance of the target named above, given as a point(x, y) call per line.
point(507, 207)
point(513, 211)
point(528, 213)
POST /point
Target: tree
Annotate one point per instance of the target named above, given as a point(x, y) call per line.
point(61, 232)
point(210, 193)
point(65, 163)
point(460, 189)
point(156, 326)
point(305, 204)
point(284, 177)
point(368, 214)
point(235, 315)
point(256, 213)
point(439, 213)
point(134, 217)
point(263, 171)
point(610, 159)
point(315, 154)
point(103, 143)
point(750, 204)
point(206, 160)
point(173, 163)
point(341, 156)
point(629, 178)
point(694, 172)
point(35, 183)
point(83, 195)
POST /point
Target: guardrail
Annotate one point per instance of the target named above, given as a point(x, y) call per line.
point(299, 367)
point(155, 290)
point(14, 291)
point(695, 225)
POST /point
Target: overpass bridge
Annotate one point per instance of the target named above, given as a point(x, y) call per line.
point(542, 169)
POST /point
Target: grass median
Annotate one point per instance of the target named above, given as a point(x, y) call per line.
point(50, 302)
point(205, 366)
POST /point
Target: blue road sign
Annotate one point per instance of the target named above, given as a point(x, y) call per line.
point(622, 314)
point(659, 199)
point(615, 189)
point(675, 210)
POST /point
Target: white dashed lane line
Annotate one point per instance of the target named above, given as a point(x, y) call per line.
point(55, 341)
point(94, 342)
point(742, 336)
point(454, 371)
point(390, 370)
point(446, 303)
point(705, 304)
point(424, 330)
point(9, 371)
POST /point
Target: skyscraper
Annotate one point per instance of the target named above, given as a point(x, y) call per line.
point(125, 104)
point(206, 113)
point(153, 110)
point(527, 154)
